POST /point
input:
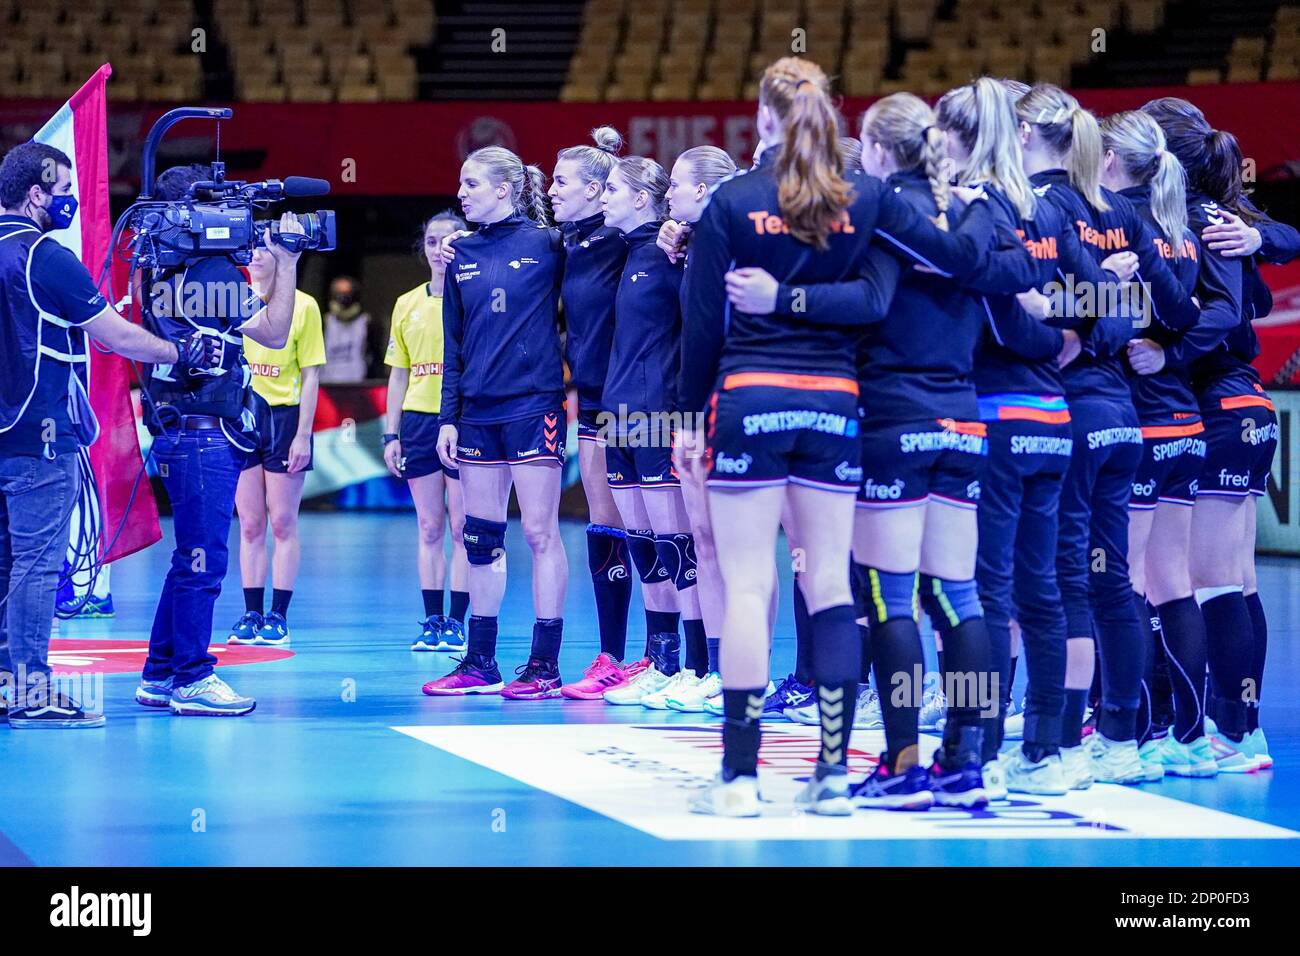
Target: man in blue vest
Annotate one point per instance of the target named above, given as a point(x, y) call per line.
point(48, 307)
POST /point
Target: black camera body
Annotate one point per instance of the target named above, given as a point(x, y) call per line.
point(215, 218)
point(171, 234)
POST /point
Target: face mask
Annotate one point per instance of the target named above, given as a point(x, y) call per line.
point(62, 210)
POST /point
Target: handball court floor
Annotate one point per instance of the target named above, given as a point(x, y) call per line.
point(345, 762)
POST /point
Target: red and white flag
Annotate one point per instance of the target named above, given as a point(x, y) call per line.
point(80, 130)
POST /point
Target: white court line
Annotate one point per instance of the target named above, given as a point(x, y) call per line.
point(643, 776)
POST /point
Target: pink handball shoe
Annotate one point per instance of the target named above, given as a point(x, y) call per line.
point(537, 680)
point(471, 676)
point(604, 673)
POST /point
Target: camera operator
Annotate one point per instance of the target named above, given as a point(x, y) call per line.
point(203, 426)
point(48, 305)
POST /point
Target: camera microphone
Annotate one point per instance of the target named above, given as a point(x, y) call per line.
point(305, 186)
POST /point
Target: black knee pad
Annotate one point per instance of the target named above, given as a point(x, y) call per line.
point(641, 545)
point(607, 551)
point(676, 554)
point(484, 539)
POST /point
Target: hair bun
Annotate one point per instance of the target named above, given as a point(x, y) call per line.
point(607, 139)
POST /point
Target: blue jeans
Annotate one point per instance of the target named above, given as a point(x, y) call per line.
point(36, 496)
point(200, 470)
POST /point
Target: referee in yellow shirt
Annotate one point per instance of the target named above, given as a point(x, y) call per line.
point(286, 381)
point(415, 354)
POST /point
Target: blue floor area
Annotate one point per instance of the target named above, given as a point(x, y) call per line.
point(318, 775)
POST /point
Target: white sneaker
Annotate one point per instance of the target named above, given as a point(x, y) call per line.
point(806, 714)
point(737, 797)
point(1013, 728)
point(1255, 745)
point(1178, 759)
point(681, 682)
point(1115, 761)
point(1045, 778)
point(1232, 758)
point(210, 697)
point(827, 797)
point(713, 705)
point(867, 715)
point(691, 700)
point(995, 781)
point(1076, 767)
point(638, 688)
point(934, 707)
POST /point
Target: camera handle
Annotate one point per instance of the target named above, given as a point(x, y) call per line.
point(160, 128)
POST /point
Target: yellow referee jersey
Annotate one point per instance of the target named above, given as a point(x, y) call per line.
point(415, 342)
point(277, 373)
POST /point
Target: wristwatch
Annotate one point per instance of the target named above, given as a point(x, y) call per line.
point(389, 436)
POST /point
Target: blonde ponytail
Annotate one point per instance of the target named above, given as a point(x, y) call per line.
point(905, 126)
point(527, 183)
point(1085, 157)
point(1068, 130)
point(1138, 143)
point(533, 201)
point(982, 116)
point(812, 195)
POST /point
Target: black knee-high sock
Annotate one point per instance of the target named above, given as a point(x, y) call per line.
point(803, 652)
point(1231, 646)
point(697, 647)
point(836, 664)
point(548, 633)
point(611, 579)
point(659, 622)
point(1076, 702)
point(280, 598)
point(254, 599)
point(1182, 634)
point(483, 636)
point(1145, 726)
point(1162, 691)
point(1259, 624)
point(741, 711)
point(859, 580)
point(432, 598)
point(1094, 692)
point(459, 605)
point(898, 664)
point(972, 699)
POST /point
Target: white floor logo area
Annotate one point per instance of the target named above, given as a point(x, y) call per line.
point(643, 775)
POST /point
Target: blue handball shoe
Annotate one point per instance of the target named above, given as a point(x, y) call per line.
point(274, 631)
point(245, 629)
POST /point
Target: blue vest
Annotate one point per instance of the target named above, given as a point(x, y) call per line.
point(28, 333)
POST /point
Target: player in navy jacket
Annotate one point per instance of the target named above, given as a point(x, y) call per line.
point(1240, 431)
point(503, 411)
point(783, 416)
point(1022, 404)
point(594, 258)
point(638, 426)
point(1139, 168)
point(1263, 240)
point(693, 174)
point(1061, 143)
